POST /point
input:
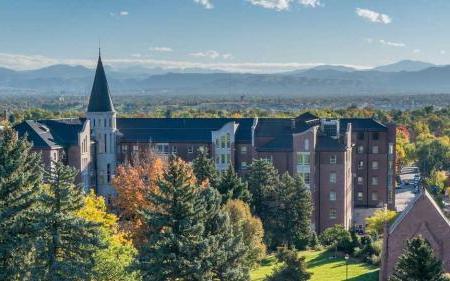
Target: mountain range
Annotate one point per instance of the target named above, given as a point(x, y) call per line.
point(404, 77)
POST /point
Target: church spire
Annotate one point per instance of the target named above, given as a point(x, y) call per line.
point(100, 99)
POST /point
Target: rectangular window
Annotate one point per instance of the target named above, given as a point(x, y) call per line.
point(360, 149)
point(375, 149)
point(217, 142)
point(374, 196)
point(190, 149)
point(267, 158)
point(135, 148)
point(332, 196)
point(303, 158)
point(174, 150)
point(374, 165)
point(306, 178)
point(222, 158)
point(391, 148)
point(217, 159)
point(124, 148)
point(228, 140)
point(333, 177)
point(374, 181)
point(222, 142)
point(375, 136)
point(333, 159)
point(361, 164)
point(243, 165)
point(106, 142)
point(360, 180)
point(243, 150)
point(162, 148)
point(108, 172)
point(333, 214)
point(359, 196)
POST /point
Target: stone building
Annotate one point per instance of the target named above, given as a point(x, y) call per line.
point(422, 217)
point(347, 163)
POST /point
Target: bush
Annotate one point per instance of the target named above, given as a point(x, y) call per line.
point(374, 260)
point(337, 236)
point(314, 242)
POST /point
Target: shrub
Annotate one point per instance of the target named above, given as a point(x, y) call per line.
point(337, 236)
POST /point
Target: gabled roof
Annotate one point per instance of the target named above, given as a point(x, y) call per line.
point(423, 195)
point(100, 99)
point(180, 129)
point(48, 134)
point(363, 124)
point(307, 116)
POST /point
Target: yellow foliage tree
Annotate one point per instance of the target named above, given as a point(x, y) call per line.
point(375, 223)
point(112, 262)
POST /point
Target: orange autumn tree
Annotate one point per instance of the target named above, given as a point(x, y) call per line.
point(133, 181)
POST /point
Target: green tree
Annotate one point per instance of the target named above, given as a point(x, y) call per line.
point(232, 187)
point(418, 262)
point(113, 262)
point(293, 268)
point(433, 155)
point(191, 238)
point(337, 237)
point(292, 215)
point(376, 222)
point(251, 228)
point(204, 168)
point(20, 177)
point(67, 243)
point(263, 181)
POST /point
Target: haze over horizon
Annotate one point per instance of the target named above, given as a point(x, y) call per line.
point(228, 35)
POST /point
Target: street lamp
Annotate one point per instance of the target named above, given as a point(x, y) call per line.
point(346, 266)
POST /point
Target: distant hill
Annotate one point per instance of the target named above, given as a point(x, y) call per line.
point(318, 81)
point(405, 65)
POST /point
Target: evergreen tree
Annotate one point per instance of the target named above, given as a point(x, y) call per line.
point(20, 177)
point(290, 221)
point(67, 243)
point(314, 242)
point(204, 167)
point(191, 237)
point(418, 263)
point(262, 181)
point(232, 187)
point(293, 269)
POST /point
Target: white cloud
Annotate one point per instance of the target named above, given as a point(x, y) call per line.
point(137, 55)
point(373, 16)
point(123, 13)
point(417, 51)
point(161, 49)
point(310, 3)
point(210, 54)
point(26, 62)
point(392, 44)
point(442, 52)
point(278, 5)
point(205, 3)
point(119, 14)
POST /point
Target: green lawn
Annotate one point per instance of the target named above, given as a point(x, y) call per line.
point(324, 268)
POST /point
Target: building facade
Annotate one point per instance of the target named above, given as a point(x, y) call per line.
point(347, 163)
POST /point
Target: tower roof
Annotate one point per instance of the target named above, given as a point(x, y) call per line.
point(100, 99)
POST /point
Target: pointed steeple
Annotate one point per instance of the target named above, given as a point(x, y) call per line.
point(100, 99)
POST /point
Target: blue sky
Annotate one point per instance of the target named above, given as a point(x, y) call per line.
point(242, 35)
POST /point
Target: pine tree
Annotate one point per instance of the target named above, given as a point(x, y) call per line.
point(204, 168)
point(293, 269)
point(191, 237)
point(232, 187)
point(314, 242)
point(228, 251)
point(418, 262)
point(292, 216)
point(68, 242)
point(176, 245)
point(20, 177)
point(262, 181)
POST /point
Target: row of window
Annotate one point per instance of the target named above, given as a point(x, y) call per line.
point(223, 159)
point(101, 122)
point(375, 136)
point(374, 165)
point(373, 196)
point(159, 148)
point(373, 180)
point(224, 141)
point(375, 149)
point(304, 159)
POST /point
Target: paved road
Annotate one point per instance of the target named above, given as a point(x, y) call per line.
point(404, 193)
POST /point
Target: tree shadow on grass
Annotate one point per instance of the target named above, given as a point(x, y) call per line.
point(369, 276)
point(321, 259)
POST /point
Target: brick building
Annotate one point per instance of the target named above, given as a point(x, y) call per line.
point(347, 163)
point(422, 217)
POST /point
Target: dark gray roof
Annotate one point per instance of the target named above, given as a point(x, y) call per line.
point(282, 143)
point(180, 129)
point(363, 124)
point(325, 143)
point(51, 133)
point(100, 99)
point(307, 116)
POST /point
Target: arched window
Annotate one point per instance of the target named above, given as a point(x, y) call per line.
point(306, 144)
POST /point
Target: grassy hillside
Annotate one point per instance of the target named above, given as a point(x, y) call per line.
point(324, 268)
